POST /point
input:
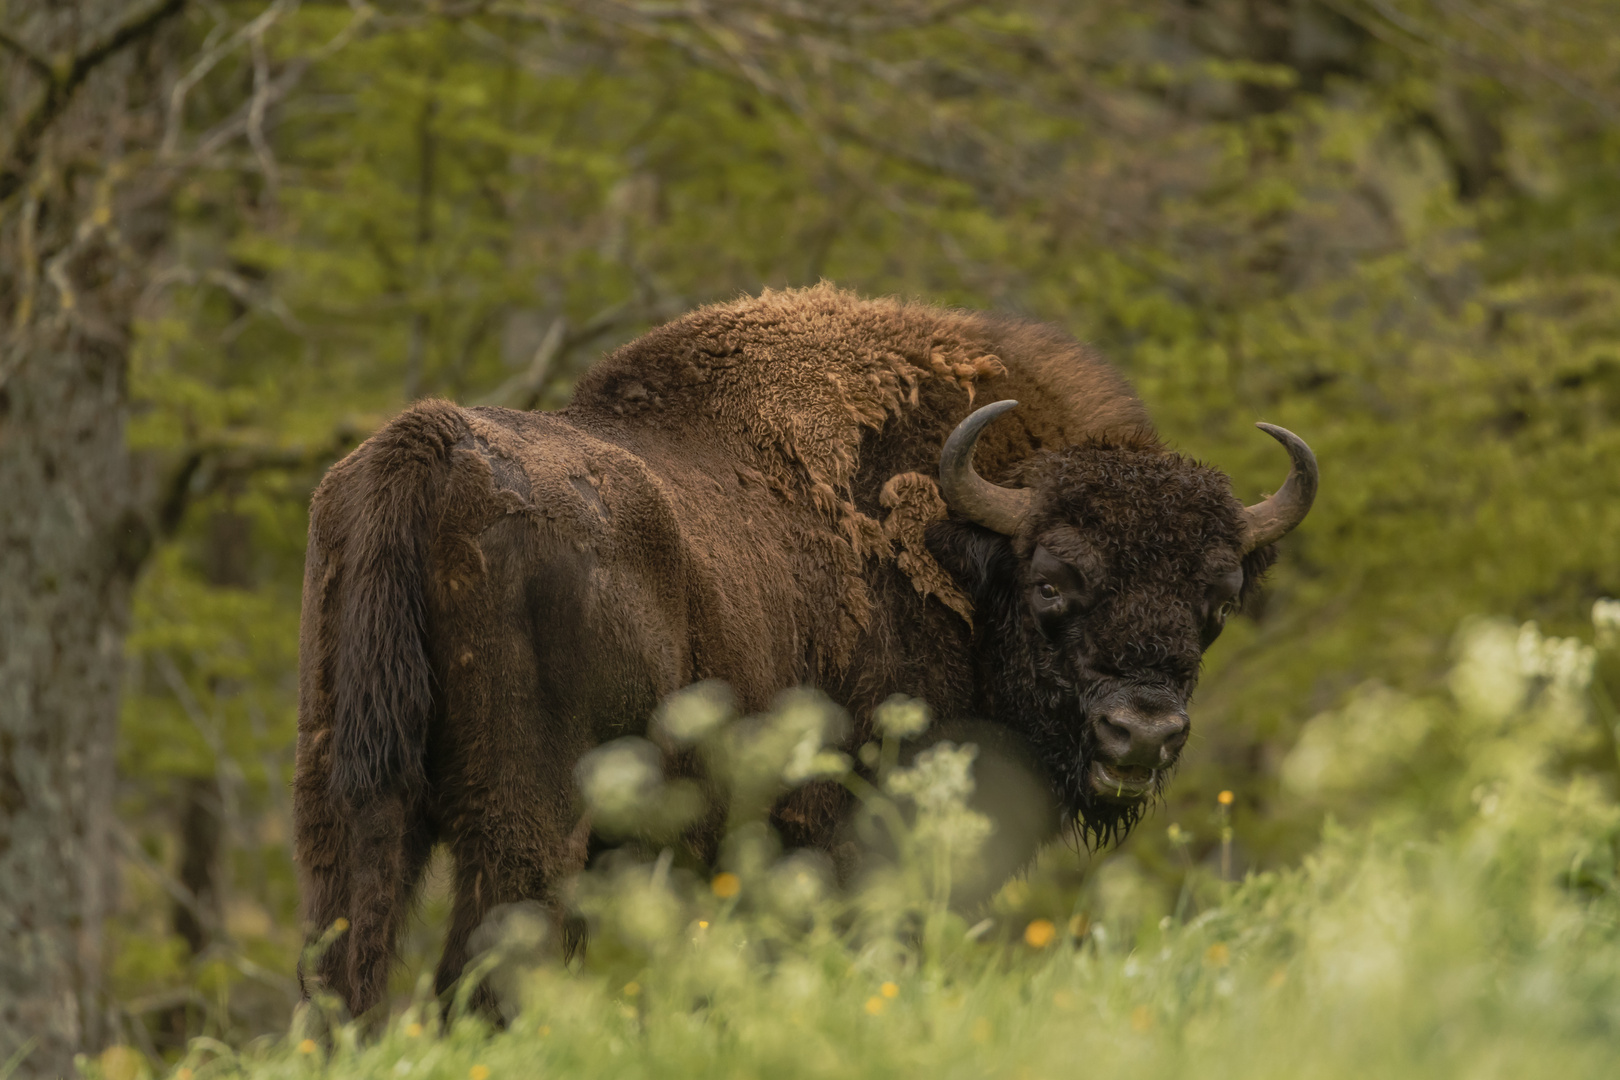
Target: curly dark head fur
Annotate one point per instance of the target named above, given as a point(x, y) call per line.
point(1091, 622)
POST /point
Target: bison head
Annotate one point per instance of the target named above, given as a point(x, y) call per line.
point(1097, 587)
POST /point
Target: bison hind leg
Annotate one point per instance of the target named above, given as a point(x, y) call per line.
point(361, 901)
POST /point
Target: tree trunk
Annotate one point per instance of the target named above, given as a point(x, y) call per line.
point(76, 240)
point(68, 553)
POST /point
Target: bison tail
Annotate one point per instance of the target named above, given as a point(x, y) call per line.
point(367, 698)
point(381, 679)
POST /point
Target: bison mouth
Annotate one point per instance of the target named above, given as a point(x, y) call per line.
point(1121, 783)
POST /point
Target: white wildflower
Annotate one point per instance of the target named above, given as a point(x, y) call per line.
point(620, 778)
point(1564, 662)
point(800, 882)
point(1487, 680)
point(809, 761)
point(901, 717)
point(1606, 621)
point(940, 782)
point(690, 715)
point(940, 779)
point(790, 744)
point(1376, 731)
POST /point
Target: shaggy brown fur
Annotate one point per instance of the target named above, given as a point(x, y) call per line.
point(744, 494)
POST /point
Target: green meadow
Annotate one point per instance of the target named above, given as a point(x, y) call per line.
point(1469, 927)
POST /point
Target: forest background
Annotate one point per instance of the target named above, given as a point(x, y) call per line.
point(235, 237)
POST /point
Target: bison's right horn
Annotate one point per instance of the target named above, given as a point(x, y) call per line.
point(968, 493)
point(1271, 519)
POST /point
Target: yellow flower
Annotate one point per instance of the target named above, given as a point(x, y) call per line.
point(703, 924)
point(183, 1073)
point(889, 990)
point(307, 1046)
point(413, 1030)
point(874, 1005)
point(1224, 798)
point(478, 1072)
point(1040, 933)
point(631, 989)
point(1063, 999)
point(545, 1029)
point(1277, 979)
point(340, 924)
point(726, 886)
point(1217, 955)
point(1141, 1018)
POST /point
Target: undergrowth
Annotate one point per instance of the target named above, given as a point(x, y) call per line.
point(1471, 927)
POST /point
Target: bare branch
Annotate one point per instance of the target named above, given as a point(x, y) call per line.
point(256, 110)
point(523, 391)
point(280, 87)
point(253, 297)
point(215, 464)
point(207, 63)
point(1532, 63)
point(741, 45)
point(20, 156)
point(30, 57)
point(181, 895)
point(1431, 38)
point(126, 33)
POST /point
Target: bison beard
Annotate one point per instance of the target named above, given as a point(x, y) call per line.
point(746, 494)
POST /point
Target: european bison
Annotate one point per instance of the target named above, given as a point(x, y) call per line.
point(747, 494)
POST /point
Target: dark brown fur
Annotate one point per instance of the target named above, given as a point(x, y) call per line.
point(744, 494)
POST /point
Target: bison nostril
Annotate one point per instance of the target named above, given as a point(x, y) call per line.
point(1114, 738)
point(1128, 737)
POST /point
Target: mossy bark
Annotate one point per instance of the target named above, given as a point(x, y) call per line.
point(79, 226)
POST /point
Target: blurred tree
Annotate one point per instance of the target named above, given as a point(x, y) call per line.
point(93, 148)
point(77, 229)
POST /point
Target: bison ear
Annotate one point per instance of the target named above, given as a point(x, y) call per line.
point(979, 559)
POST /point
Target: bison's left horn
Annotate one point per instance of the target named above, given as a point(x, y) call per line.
point(968, 493)
point(1270, 520)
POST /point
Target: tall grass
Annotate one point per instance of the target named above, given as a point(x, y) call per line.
point(1469, 927)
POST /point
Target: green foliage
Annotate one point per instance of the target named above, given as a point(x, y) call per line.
point(1386, 226)
point(1478, 936)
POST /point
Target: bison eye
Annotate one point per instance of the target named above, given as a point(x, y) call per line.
point(1215, 621)
point(1047, 591)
